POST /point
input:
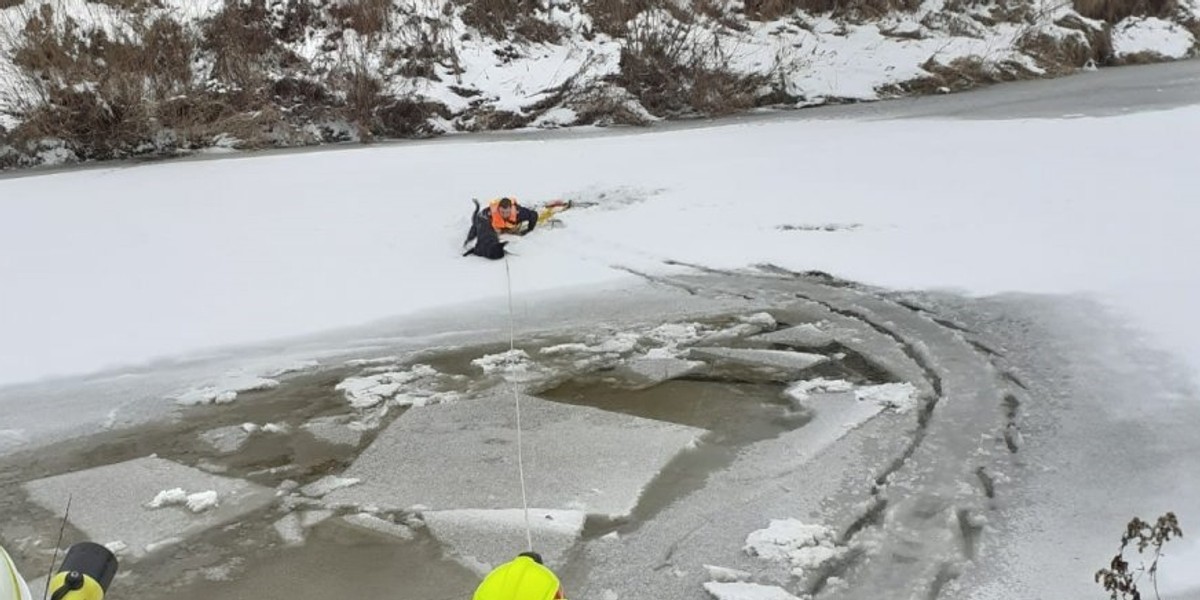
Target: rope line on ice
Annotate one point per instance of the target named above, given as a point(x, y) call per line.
point(517, 403)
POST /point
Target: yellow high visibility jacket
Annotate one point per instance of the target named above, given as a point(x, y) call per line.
point(519, 579)
point(12, 587)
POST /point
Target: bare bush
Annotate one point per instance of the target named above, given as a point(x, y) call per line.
point(611, 16)
point(673, 70)
point(1058, 55)
point(405, 117)
point(1114, 11)
point(500, 18)
point(768, 10)
point(421, 44)
point(604, 106)
point(241, 42)
point(960, 74)
point(94, 89)
point(367, 17)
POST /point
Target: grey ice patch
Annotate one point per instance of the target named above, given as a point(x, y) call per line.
point(381, 526)
point(487, 538)
point(327, 484)
point(117, 496)
point(824, 227)
point(290, 530)
point(333, 430)
point(576, 458)
point(226, 440)
point(807, 335)
point(645, 372)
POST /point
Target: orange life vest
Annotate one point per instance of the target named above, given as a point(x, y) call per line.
point(499, 223)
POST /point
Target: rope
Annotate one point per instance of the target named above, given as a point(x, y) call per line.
point(517, 402)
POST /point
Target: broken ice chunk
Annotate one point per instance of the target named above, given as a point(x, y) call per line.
point(746, 591)
point(724, 574)
point(801, 545)
point(327, 484)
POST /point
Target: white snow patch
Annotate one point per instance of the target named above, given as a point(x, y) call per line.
point(746, 591)
point(171, 497)
point(800, 545)
point(901, 397)
point(763, 320)
point(202, 501)
point(197, 502)
point(802, 391)
point(1151, 34)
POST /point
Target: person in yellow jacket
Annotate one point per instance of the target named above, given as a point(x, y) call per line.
point(523, 578)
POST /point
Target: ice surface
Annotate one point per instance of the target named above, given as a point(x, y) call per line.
point(514, 365)
point(576, 458)
point(619, 343)
point(725, 574)
point(875, 346)
point(487, 538)
point(379, 525)
point(149, 288)
point(801, 391)
point(116, 507)
point(333, 430)
point(226, 440)
point(807, 335)
point(226, 391)
point(290, 530)
point(327, 484)
point(746, 591)
point(312, 518)
point(646, 372)
point(792, 362)
point(899, 396)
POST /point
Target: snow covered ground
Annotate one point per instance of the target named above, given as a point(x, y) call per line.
point(114, 268)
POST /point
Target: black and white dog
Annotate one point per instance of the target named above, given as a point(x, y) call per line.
point(487, 242)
